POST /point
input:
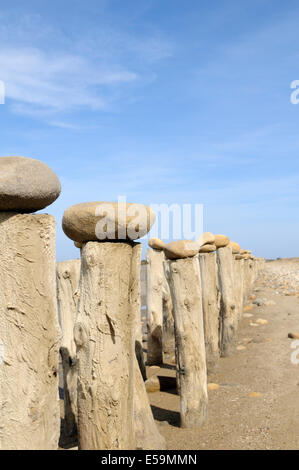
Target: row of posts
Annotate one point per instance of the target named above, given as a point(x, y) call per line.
point(208, 292)
point(101, 340)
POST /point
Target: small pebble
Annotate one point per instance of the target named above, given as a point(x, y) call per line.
point(212, 386)
point(262, 321)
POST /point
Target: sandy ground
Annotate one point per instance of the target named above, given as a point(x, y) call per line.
point(257, 403)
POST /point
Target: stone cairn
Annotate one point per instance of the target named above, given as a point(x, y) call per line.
point(209, 281)
point(113, 408)
point(29, 330)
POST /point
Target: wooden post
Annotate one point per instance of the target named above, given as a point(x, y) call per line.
point(185, 287)
point(135, 298)
point(238, 265)
point(168, 321)
point(146, 433)
point(248, 277)
point(68, 275)
point(105, 337)
point(211, 308)
point(29, 333)
point(155, 275)
point(228, 313)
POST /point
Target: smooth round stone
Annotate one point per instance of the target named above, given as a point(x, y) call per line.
point(181, 249)
point(221, 240)
point(207, 238)
point(104, 221)
point(78, 245)
point(207, 248)
point(156, 244)
point(26, 184)
point(235, 247)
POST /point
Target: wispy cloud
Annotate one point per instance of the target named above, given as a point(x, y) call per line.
point(38, 82)
point(48, 69)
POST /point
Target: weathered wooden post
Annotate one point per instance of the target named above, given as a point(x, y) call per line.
point(248, 273)
point(68, 275)
point(155, 279)
point(238, 268)
point(147, 435)
point(168, 321)
point(185, 287)
point(105, 328)
point(29, 330)
point(211, 308)
point(136, 301)
point(238, 265)
point(228, 313)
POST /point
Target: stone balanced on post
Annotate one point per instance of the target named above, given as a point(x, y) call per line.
point(185, 288)
point(29, 330)
point(113, 408)
point(210, 299)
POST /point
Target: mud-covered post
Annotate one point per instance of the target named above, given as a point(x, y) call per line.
point(211, 308)
point(185, 287)
point(105, 329)
point(68, 275)
point(228, 312)
point(155, 279)
point(29, 329)
point(135, 299)
point(146, 433)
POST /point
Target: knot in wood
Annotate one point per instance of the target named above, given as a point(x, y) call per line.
point(80, 335)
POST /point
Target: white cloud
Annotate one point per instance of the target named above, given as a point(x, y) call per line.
point(85, 70)
point(39, 83)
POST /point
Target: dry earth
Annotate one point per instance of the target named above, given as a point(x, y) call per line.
point(257, 403)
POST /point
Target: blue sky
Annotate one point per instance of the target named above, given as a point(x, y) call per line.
point(161, 101)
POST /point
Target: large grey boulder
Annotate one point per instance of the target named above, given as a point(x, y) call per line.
point(26, 184)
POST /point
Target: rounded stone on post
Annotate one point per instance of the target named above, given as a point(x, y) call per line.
point(185, 287)
point(26, 185)
point(105, 329)
point(29, 330)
